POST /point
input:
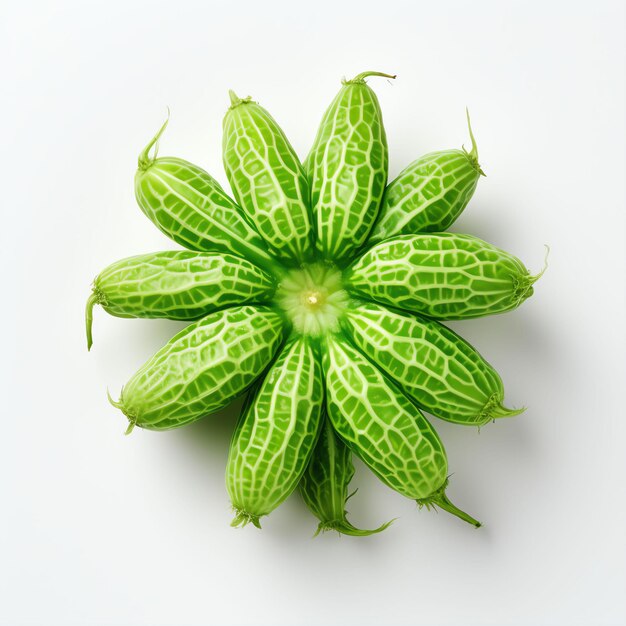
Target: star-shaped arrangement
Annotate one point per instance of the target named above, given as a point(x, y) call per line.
point(318, 292)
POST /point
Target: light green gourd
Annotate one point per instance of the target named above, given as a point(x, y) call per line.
point(324, 485)
point(191, 208)
point(267, 179)
point(351, 272)
point(276, 433)
point(430, 193)
point(447, 276)
point(347, 169)
point(443, 374)
point(385, 429)
point(202, 368)
point(176, 285)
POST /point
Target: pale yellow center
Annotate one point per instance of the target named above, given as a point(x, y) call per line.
point(313, 298)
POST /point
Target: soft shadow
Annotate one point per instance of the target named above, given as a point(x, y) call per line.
point(209, 437)
point(522, 332)
point(479, 222)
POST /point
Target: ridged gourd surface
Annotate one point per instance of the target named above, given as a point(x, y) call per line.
point(318, 291)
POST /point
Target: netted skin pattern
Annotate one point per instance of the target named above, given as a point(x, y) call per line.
point(319, 291)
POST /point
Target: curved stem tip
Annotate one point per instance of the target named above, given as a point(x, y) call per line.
point(494, 409)
point(440, 499)
point(91, 302)
point(235, 100)
point(346, 528)
point(242, 518)
point(536, 277)
point(132, 419)
point(360, 78)
point(443, 502)
point(473, 153)
point(499, 410)
point(145, 161)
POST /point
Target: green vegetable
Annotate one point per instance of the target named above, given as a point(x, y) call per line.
point(190, 207)
point(177, 285)
point(316, 294)
point(347, 169)
point(324, 485)
point(382, 427)
point(267, 179)
point(430, 193)
point(441, 372)
point(442, 275)
point(276, 434)
point(202, 368)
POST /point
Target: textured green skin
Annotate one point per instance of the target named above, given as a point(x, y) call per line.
point(428, 195)
point(347, 170)
point(180, 285)
point(442, 275)
point(438, 369)
point(202, 368)
point(380, 424)
point(268, 180)
point(324, 484)
point(304, 232)
point(276, 433)
point(190, 207)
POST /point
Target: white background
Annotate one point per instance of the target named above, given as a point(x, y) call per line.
point(98, 528)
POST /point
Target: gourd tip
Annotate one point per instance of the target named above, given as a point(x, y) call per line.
point(117, 404)
point(344, 527)
point(145, 160)
point(91, 302)
point(235, 100)
point(501, 411)
point(359, 79)
point(494, 409)
point(441, 500)
point(525, 281)
point(243, 518)
point(472, 155)
point(536, 277)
